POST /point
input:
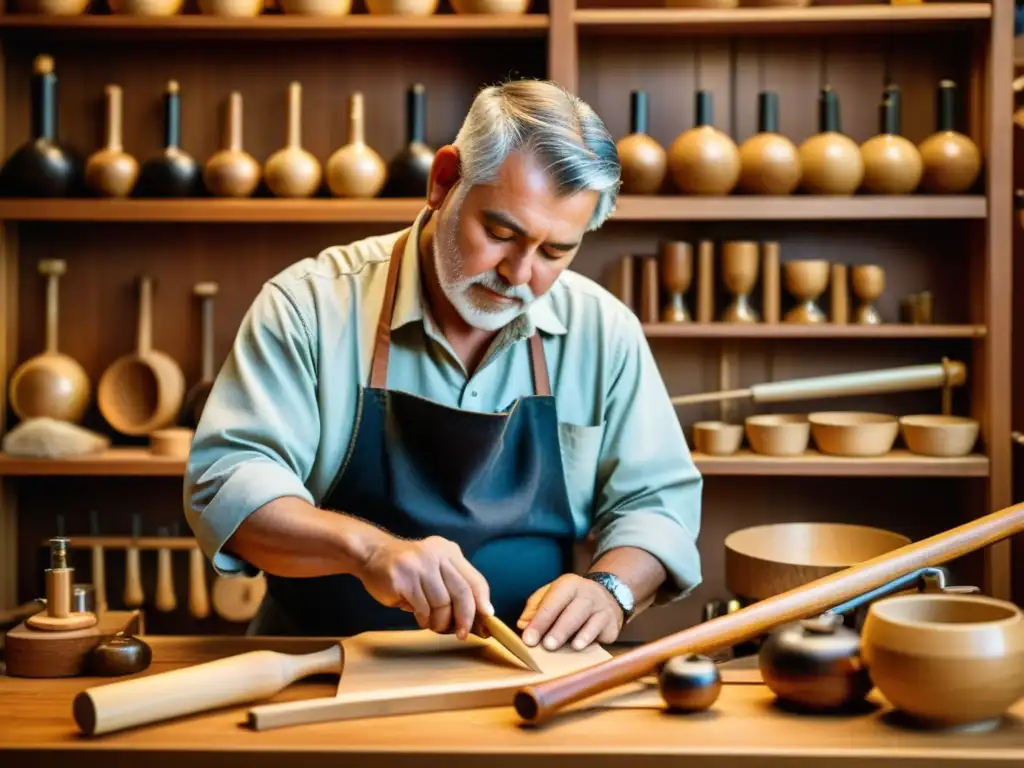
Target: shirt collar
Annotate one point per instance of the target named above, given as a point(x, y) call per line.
point(410, 304)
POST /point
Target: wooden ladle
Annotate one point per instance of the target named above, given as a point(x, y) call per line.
point(142, 391)
point(232, 172)
point(292, 171)
point(195, 400)
point(50, 384)
point(112, 172)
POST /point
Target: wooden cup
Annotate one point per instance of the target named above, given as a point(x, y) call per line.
point(739, 273)
point(676, 265)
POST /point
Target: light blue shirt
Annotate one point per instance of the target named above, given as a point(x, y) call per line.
point(282, 411)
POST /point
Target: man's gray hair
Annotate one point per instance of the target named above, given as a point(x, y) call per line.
point(543, 119)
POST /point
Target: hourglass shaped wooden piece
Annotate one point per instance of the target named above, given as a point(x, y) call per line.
point(739, 274)
point(806, 280)
point(676, 264)
point(868, 282)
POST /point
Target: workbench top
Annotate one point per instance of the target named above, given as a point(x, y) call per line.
point(745, 727)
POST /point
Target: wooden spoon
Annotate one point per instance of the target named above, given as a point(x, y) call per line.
point(292, 171)
point(232, 172)
point(111, 171)
point(50, 384)
point(195, 400)
point(356, 170)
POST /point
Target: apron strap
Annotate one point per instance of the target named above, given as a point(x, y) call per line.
point(382, 341)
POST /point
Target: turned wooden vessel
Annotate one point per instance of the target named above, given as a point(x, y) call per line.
point(356, 170)
point(740, 266)
point(770, 163)
point(316, 7)
point(868, 283)
point(409, 170)
point(497, 7)
point(54, 7)
point(51, 384)
point(892, 163)
point(146, 7)
point(830, 161)
point(643, 160)
point(704, 160)
point(675, 264)
point(402, 7)
point(806, 280)
point(952, 161)
point(292, 171)
point(777, 434)
point(689, 683)
point(43, 166)
point(232, 172)
point(853, 433)
point(174, 172)
point(112, 172)
point(231, 8)
point(932, 434)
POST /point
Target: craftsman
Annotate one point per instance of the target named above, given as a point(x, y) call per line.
point(418, 426)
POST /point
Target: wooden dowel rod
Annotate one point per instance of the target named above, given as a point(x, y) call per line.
point(712, 397)
point(123, 542)
point(538, 702)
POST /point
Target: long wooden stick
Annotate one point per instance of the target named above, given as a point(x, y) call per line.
point(538, 702)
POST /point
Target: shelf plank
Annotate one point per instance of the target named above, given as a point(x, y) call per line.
point(112, 462)
point(278, 26)
point(897, 463)
point(848, 19)
point(403, 210)
point(818, 331)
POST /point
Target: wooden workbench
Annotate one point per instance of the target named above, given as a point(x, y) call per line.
point(745, 728)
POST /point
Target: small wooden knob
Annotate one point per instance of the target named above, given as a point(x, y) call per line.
point(43, 64)
point(205, 289)
point(52, 267)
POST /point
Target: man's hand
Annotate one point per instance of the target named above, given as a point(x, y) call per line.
point(430, 578)
point(571, 607)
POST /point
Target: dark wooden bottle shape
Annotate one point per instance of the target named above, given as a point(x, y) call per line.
point(42, 167)
point(409, 170)
point(173, 172)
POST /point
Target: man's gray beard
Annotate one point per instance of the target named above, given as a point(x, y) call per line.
point(479, 313)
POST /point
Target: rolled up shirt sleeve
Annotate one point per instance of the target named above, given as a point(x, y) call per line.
point(648, 487)
point(258, 435)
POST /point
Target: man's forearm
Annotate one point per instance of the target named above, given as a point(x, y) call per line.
point(641, 571)
point(290, 537)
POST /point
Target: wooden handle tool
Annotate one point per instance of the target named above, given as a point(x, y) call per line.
point(903, 379)
point(133, 595)
point(510, 641)
point(166, 600)
point(538, 702)
point(229, 681)
point(198, 596)
point(99, 569)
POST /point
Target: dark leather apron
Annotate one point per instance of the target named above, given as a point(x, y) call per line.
point(493, 483)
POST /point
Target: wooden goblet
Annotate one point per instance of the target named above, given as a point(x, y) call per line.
point(806, 280)
point(868, 281)
point(739, 273)
point(676, 264)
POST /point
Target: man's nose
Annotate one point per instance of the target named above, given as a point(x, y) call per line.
point(518, 270)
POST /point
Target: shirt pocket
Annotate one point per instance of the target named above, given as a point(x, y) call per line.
point(581, 452)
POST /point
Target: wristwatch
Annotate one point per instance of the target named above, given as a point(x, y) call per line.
point(620, 591)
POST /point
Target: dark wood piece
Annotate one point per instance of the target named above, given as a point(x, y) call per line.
point(409, 170)
point(35, 653)
point(173, 172)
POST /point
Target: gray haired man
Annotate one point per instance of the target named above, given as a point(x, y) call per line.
point(416, 428)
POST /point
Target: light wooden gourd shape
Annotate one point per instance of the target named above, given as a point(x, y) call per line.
point(770, 163)
point(644, 161)
point(231, 8)
point(54, 7)
point(232, 172)
point(146, 7)
point(892, 163)
point(292, 171)
point(316, 7)
point(402, 7)
point(496, 7)
point(830, 161)
point(952, 161)
point(112, 172)
point(356, 170)
point(704, 160)
point(50, 384)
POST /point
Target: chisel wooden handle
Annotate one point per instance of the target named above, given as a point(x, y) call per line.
point(233, 680)
point(198, 596)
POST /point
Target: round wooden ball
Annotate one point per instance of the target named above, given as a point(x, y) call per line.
point(831, 164)
point(704, 161)
point(689, 683)
point(952, 163)
point(644, 164)
point(892, 165)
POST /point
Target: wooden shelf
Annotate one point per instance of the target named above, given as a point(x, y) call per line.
point(402, 211)
point(112, 462)
point(800, 331)
point(278, 27)
point(897, 463)
point(814, 20)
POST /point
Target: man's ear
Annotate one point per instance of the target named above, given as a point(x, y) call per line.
point(444, 173)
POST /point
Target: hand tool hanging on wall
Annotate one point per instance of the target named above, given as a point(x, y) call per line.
point(133, 594)
point(166, 601)
point(195, 400)
point(99, 567)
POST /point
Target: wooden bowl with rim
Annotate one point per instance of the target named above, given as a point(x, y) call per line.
point(717, 438)
point(937, 435)
point(766, 560)
point(946, 660)
point(857, 434)
point(778, 434)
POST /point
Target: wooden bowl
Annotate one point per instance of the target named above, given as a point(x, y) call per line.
point(716, 438)
point(316, 7)
point(238, 9)
point(766, 560)
point(946, 660)
point(778, 434)
point(853, 433)
point(495, 7)
point(402, 7)
point(937, 435)
point(146, 7)
point(175, 442)
point(54, 7)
